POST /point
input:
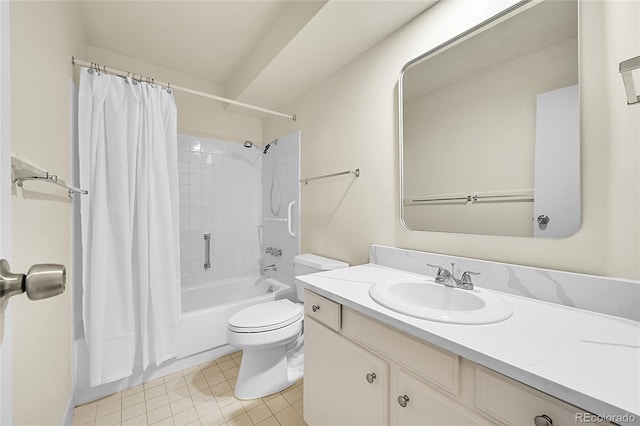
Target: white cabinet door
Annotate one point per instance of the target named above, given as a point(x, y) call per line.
point(413, 402)
point(336, 389)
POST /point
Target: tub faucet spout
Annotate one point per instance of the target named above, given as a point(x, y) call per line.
point(270, 268)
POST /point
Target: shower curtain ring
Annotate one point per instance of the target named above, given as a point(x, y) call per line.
point(168, 87)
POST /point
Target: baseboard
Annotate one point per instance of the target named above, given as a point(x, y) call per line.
point(68, 415)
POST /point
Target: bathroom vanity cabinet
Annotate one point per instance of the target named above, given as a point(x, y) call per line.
point(361, 371)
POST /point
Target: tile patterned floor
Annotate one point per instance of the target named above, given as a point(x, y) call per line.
point(201, 395)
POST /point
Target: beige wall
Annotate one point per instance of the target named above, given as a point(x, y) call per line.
point(43, 38)
point(350, 120)
point(196, 115)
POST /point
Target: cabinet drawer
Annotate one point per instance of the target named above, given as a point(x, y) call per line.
point(432, 364)
point(514, 403)
point(323, 310)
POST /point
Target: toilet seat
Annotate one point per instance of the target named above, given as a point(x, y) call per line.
point(265, 317)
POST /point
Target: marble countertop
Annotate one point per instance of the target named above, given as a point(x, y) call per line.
point(587, 359)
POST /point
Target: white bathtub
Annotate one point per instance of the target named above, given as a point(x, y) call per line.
point(206, 309)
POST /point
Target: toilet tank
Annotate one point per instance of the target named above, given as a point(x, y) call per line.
point(308, 263)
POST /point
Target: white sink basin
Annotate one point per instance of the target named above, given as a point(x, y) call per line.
point(436, 302)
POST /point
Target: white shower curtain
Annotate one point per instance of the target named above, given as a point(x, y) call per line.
point(130, 235)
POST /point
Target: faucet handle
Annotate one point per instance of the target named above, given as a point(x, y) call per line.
point(442, 275)
point(440, 268)
point(466, 277)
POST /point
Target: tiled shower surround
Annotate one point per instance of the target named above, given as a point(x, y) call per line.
point(286, 152)
point(221, 194)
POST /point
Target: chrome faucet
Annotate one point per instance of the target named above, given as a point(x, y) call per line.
point(443, 276)
point(270, 268)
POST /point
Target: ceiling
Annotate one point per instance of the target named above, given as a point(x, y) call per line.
point(262, 52)
point(529, 29)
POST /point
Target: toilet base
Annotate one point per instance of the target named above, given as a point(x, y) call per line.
point(267, 371)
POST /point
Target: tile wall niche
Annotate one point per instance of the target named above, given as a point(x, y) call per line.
point(221, 194)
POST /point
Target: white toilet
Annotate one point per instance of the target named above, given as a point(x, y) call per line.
point(270, 336)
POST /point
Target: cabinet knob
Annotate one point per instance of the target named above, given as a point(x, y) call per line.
point(371, 377)
point(542, 420)
point(403, 399)
point(543, 219)
point(315, 308)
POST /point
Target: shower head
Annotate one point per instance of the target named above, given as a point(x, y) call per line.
point(249, 144)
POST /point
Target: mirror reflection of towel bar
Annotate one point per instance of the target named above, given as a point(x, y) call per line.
point(510, 195)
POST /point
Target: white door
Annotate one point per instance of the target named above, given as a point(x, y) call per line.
point(557, 164)
point(5, 209)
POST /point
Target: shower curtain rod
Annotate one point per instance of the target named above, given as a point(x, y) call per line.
point(170, 86)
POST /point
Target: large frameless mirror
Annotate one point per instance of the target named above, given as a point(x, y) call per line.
point(490, 127)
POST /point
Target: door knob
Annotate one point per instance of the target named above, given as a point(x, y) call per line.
point(10, 283)
point(370, 377)
point(42, 281)
point(402, 400)
point(45, 280)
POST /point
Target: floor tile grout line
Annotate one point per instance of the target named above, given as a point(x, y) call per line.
point(188, 375)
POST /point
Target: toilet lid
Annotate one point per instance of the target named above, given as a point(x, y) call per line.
point(265, 316)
